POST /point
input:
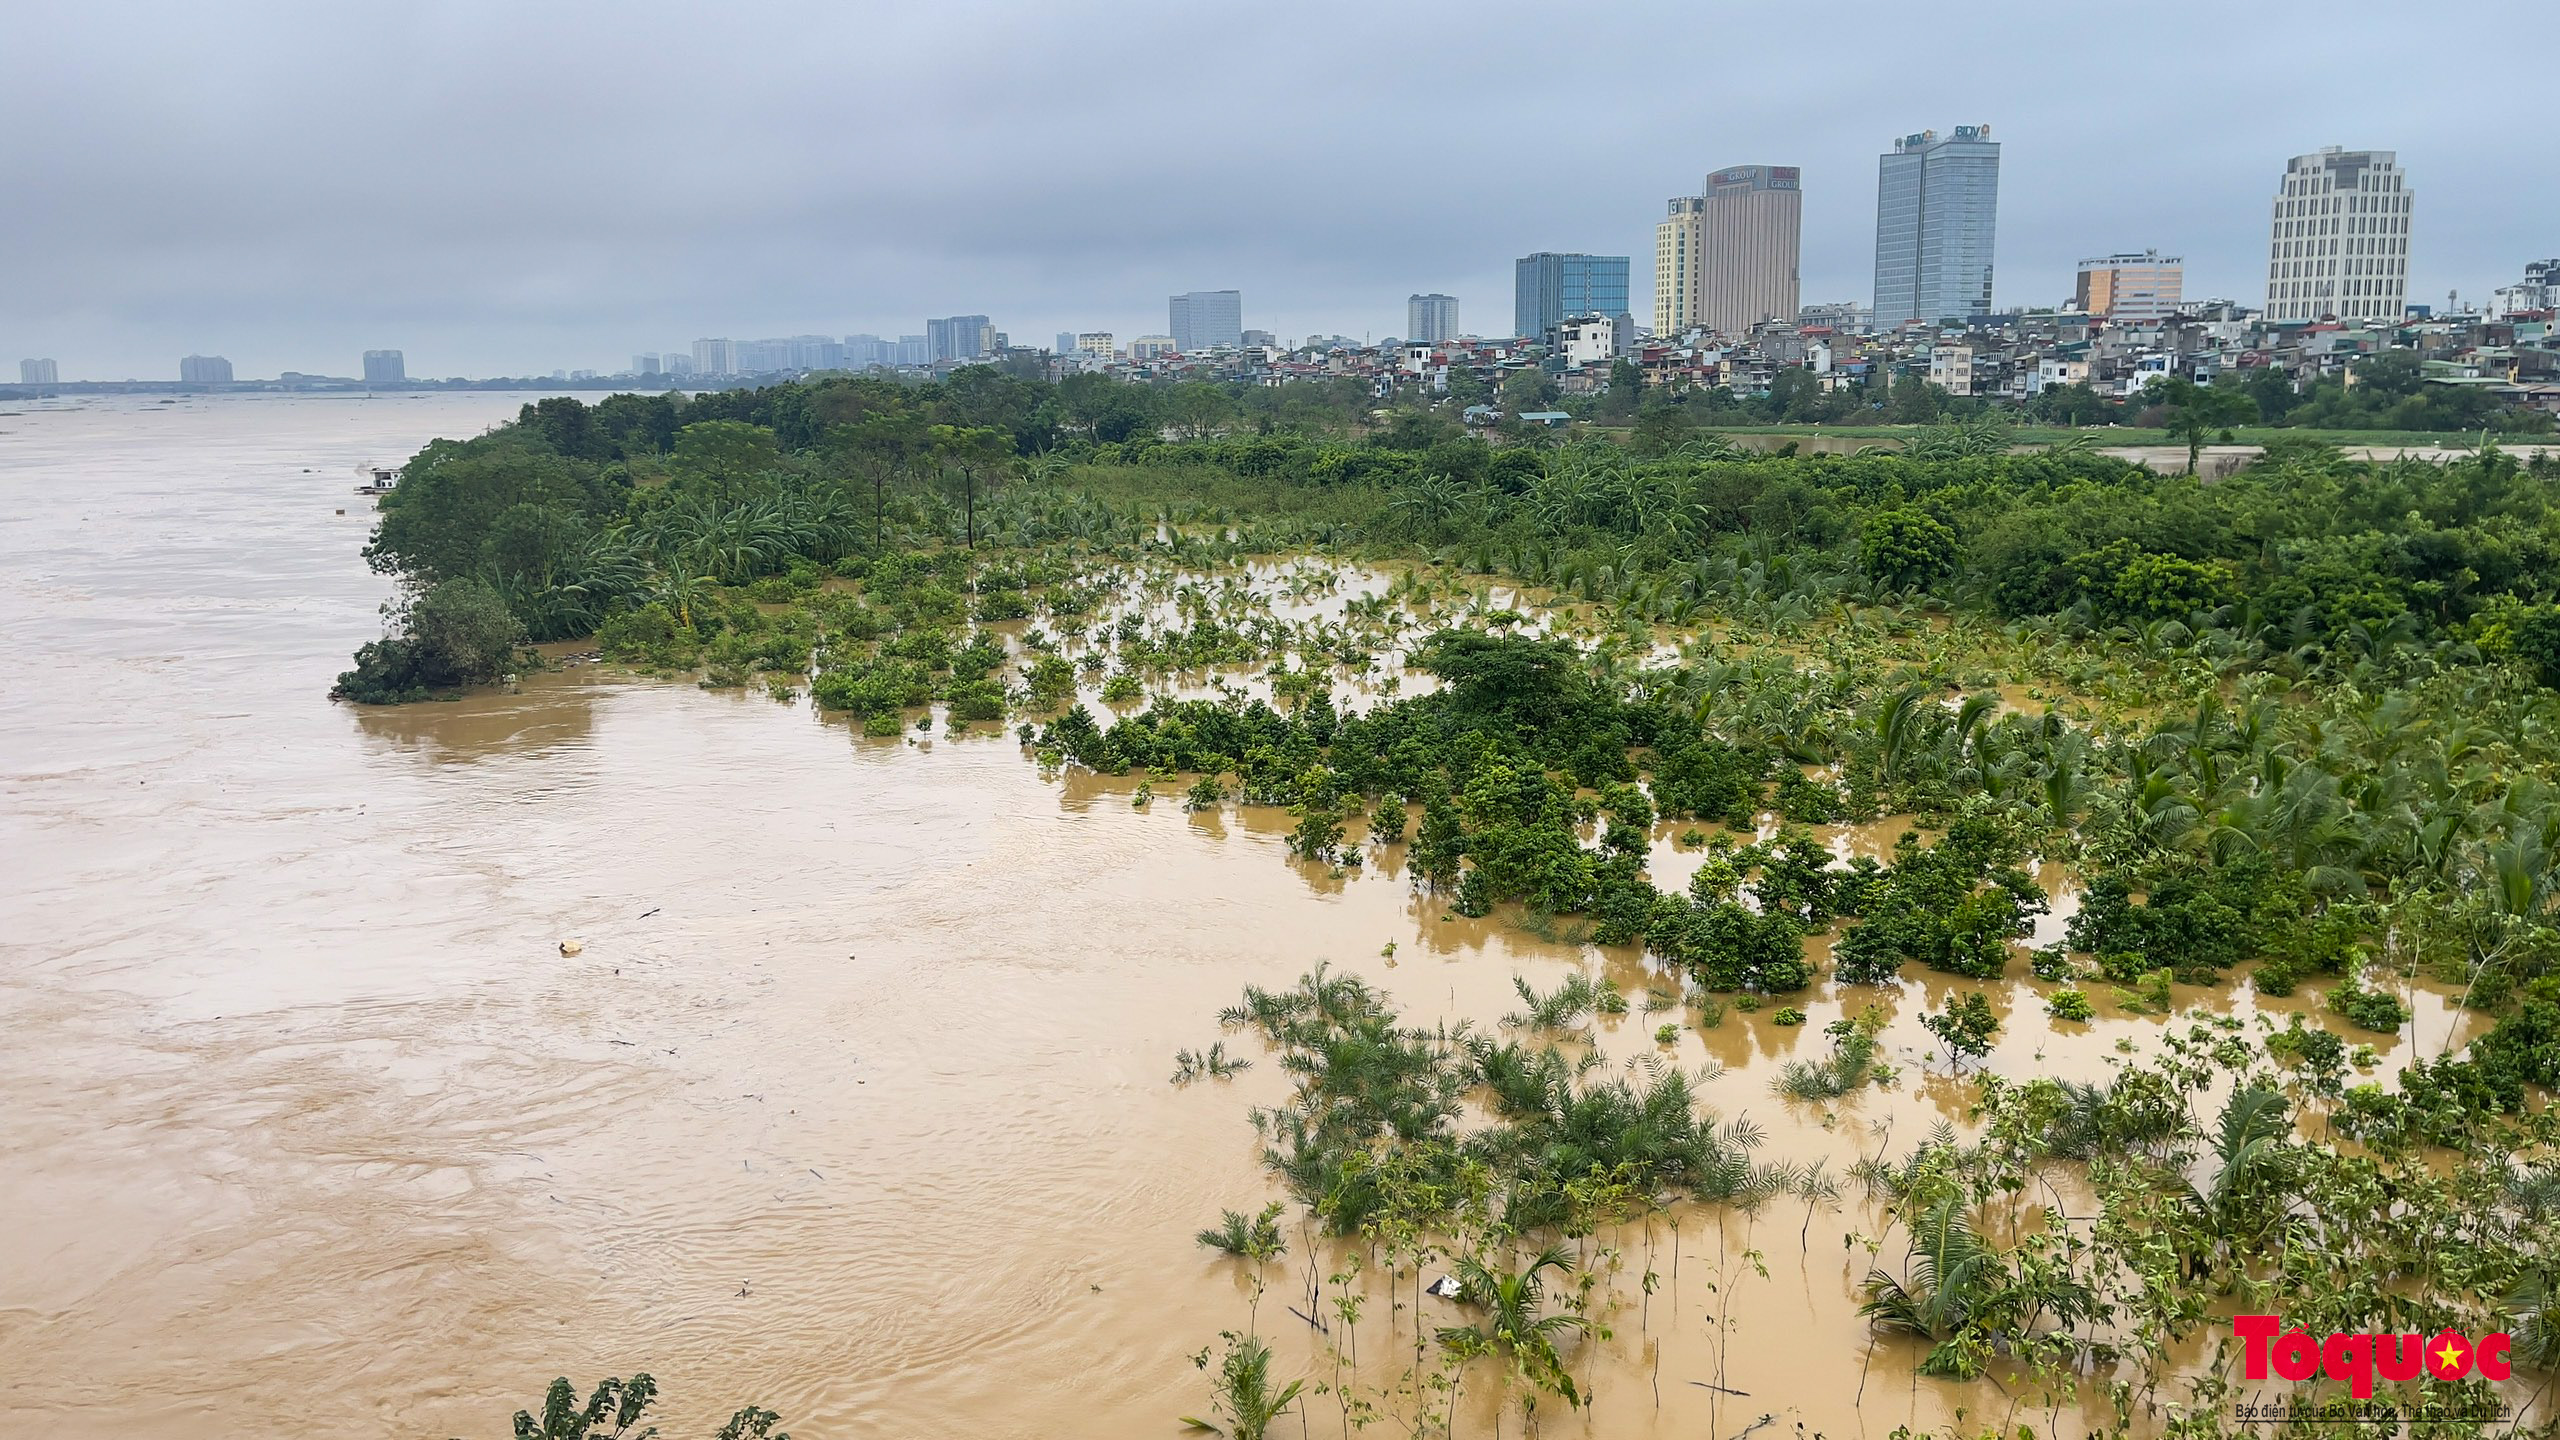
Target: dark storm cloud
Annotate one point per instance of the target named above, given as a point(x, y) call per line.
point(512, 188)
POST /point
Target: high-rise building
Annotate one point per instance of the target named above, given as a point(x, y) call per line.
point(958, 337)
point(38, 372)
point(1725, 258)
point(861, 352)
point(205, 370)
point(2339, 241)
point(1206, 320)
point(913, 350)
point(714, 357)
point(1150, 347)
point(2146, 286)
point(1066, 343)
point(1551, 287)
point(676, 364)
point(1431, 319)
point(385, 367)
point(816, 352)
point(1096, 343)
point(644, 364)
point(1937, 204)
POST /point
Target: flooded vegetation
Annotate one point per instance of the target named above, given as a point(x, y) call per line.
point(1312, 935)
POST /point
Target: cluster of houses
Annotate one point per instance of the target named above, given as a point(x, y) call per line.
point(2011, 357)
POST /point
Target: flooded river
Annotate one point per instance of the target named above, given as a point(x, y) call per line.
point(854, 1103)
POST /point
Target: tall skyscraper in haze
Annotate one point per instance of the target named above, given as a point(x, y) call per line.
point(1431, 318)
point(205, 370)
point(1550, 286)
point(385, 367)
point(38, 372)
point(1066, 343)
point(1726, 258)
point(1206, 320)
point(644, 365)
point(714, 357)
point(957, 337)
point(1937, 204)
point(2339, 243)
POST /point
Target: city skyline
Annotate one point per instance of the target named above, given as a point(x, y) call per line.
point(438, 230)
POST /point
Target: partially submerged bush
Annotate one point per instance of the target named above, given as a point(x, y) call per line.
point(455, 634)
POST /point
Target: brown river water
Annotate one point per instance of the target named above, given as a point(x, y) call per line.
point(854, 1104)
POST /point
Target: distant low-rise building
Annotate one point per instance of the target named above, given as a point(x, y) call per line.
point(2539, 291)
point(1585, 340)
point(1152, 347)
point(2128, 286)
point(1951, 368)
point(2054, 371)
point(1844, 317)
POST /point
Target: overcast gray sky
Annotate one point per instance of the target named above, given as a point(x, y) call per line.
point(509, 188)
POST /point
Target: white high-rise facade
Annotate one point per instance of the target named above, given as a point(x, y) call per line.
point(2339, 242)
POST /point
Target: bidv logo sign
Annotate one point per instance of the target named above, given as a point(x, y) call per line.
point(2357, 1359)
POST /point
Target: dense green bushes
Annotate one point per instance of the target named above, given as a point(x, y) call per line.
point(454, 634)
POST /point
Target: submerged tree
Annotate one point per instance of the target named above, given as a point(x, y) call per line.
point(617, 1405)
point(456, 633)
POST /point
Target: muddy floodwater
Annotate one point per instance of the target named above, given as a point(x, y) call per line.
point(855, 1102)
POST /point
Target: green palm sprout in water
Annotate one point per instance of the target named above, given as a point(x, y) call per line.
point(1517, 1325)
point(1244, 1399)
point(616, 1405)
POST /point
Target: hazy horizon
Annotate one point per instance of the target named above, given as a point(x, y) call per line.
point(504, 191)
